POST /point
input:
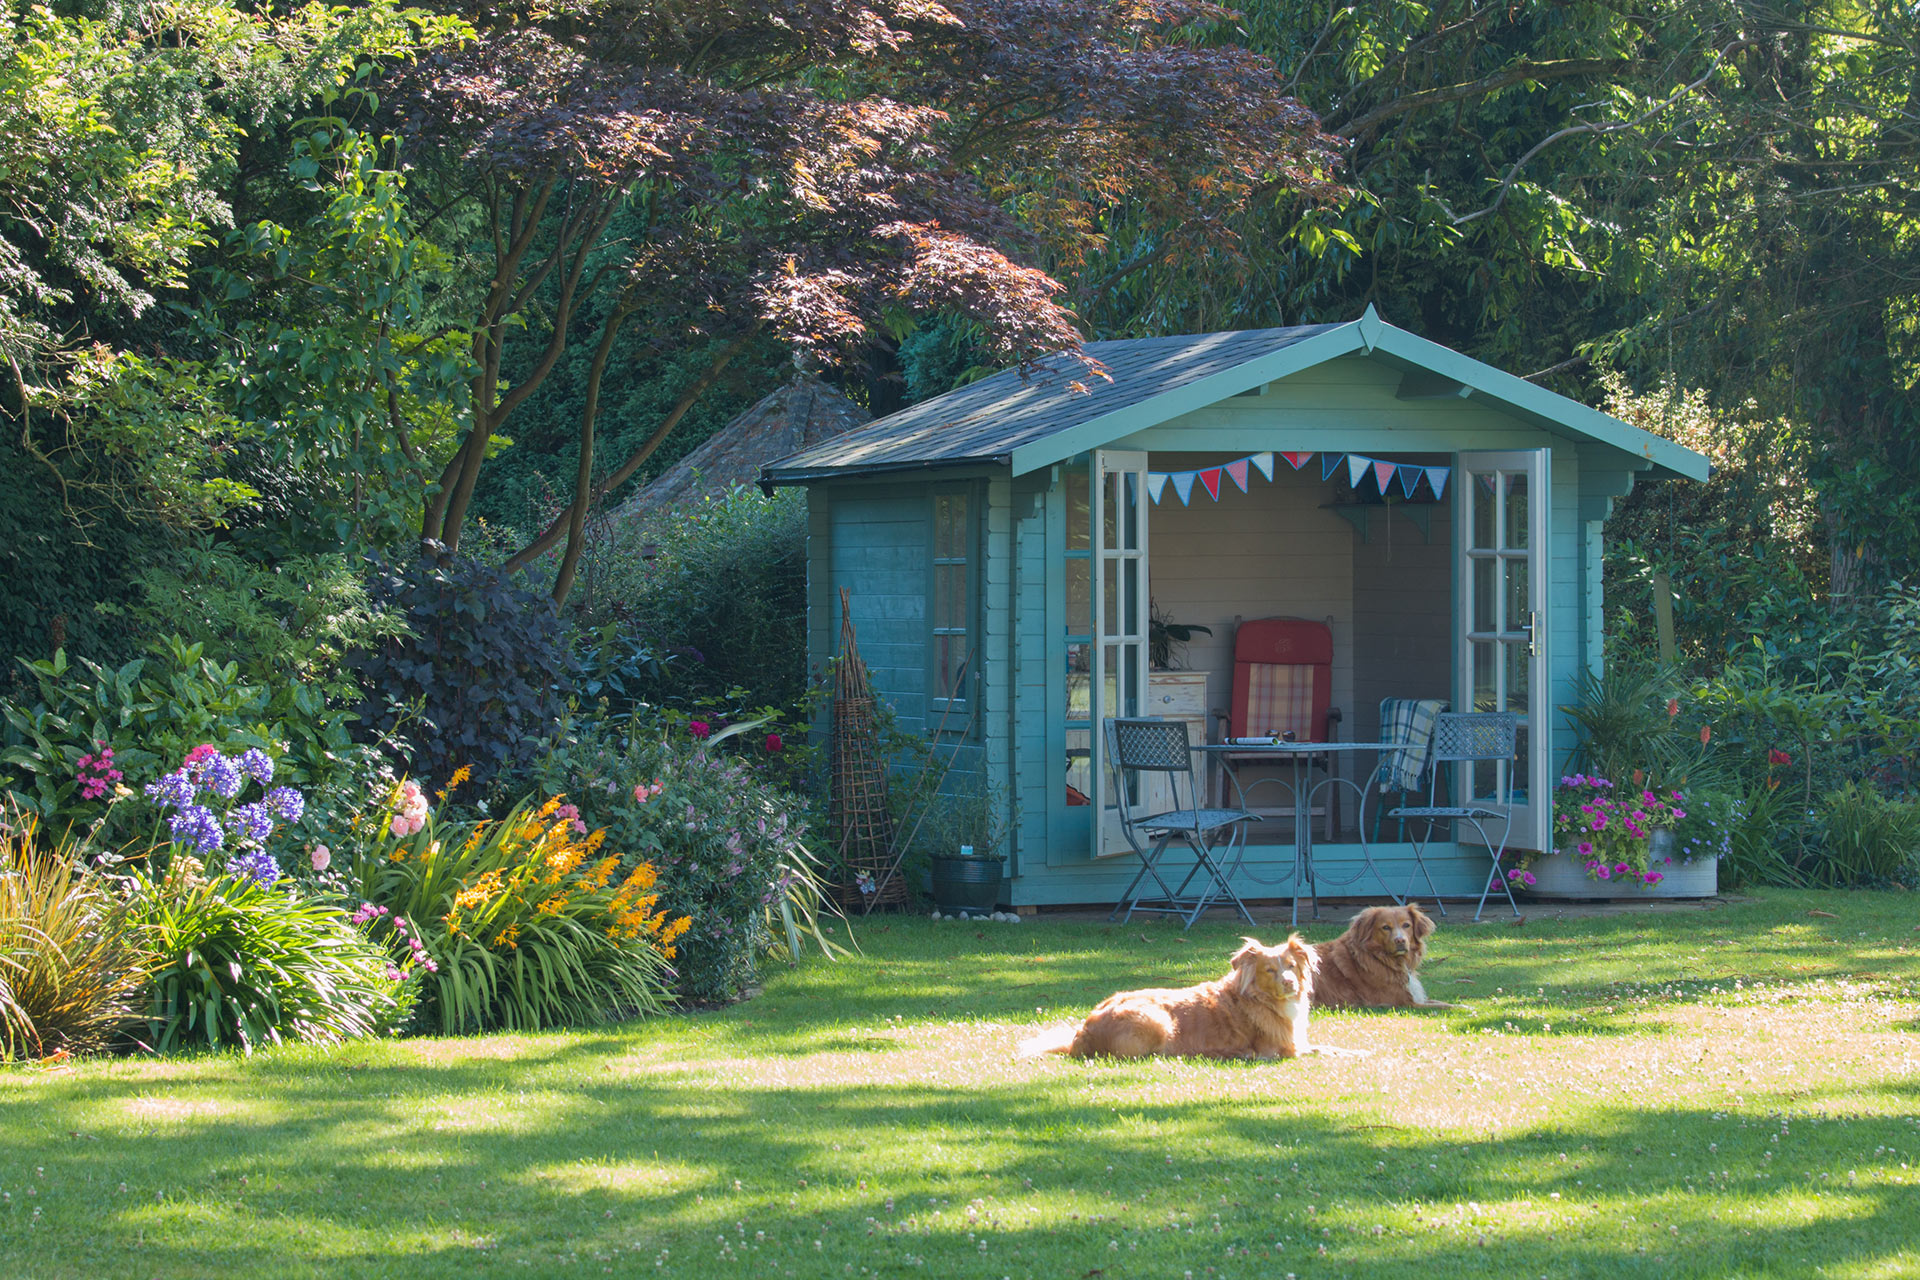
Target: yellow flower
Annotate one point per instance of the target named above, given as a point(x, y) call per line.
point(602, 872)
point(508, 937)
point(546, 810)
point(553, 906)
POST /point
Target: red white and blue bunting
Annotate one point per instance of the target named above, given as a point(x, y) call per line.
point(1359, 469)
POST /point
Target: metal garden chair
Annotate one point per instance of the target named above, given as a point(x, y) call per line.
point(1160, 746)
point(1467, 738)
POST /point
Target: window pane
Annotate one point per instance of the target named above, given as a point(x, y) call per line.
point(1483, 593)
point(1519, 664)
point(1486, 695)
point(1110, 584)
point(1516, 523)
point(950, 595)
point(1517, 606)
point(1130, 510)
point(1079, 510)
point(1129, 598)
point(1079, 597)
point(1110, 506)
point(1482, 497)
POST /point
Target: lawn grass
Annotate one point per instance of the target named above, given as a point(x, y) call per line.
point(1733, 1092)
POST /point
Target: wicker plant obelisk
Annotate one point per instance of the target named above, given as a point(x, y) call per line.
point(857, 816)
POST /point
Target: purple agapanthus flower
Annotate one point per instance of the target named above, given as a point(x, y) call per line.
point(171, 790)
point(286, 804)
point(251, 823)
point(221, 776)
point(257, 764)
point(196, 827)
point(255, 864)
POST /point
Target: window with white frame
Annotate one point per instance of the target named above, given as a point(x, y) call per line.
point(953, 605)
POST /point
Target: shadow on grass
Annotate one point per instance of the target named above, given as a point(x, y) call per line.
point(449, 1168)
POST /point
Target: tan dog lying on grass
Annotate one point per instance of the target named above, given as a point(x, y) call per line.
point(1376, 962)
point(1258, 1010)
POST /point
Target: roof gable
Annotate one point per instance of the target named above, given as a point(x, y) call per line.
point(1056, 410)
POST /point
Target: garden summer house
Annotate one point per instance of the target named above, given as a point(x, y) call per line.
point(1008, 541)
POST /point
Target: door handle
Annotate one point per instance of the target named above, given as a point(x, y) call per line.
point(1533, 633)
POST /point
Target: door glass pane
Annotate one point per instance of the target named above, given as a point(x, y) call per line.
point(1486, 695)
point(1519, 663)
point(1483, 511)
point(1520, 769)
point(1079, 597)
point(1112, 675)
point(1515, 533)
point(1484, 595)
point(1516, 594)
point(1110, 499)
point(1130, 598)
point(1130, 510)
point(1110, 585)
point(1079, 510)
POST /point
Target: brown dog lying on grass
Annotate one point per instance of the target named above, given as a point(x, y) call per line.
point(1375, 963)
point(1258, 1010)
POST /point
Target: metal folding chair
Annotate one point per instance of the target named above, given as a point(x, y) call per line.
point(1161, 746)
point(1467, 738)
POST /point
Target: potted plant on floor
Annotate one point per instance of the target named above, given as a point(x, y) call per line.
point(964, 835)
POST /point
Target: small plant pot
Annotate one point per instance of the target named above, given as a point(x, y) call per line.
point(967, 886)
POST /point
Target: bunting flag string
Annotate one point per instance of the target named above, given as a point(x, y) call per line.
point(1359, 469)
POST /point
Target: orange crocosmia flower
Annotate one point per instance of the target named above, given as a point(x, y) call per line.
point(1706, 734)
point(547, 809)
point(594, 841)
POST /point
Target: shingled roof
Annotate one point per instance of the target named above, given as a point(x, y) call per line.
point(1057, 409)
point(803, 413)
point(986, 421)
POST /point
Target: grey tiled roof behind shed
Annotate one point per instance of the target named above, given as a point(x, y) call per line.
point(987, 420)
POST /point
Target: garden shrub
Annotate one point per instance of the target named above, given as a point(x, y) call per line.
point(730, 848)
point(1862, 838)
point(293, 622)
point(146, 713)
point(719, 590)
point(233, 961)
point(520, 923)
point(68, 976)
point(482, 674)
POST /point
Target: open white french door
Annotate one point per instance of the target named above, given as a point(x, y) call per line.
point(1118, 512)
point(1501, 504)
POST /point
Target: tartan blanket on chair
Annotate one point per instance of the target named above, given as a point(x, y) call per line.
point(1409, 720)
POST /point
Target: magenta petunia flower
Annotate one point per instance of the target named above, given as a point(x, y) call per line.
point(1621, 868)
point(1586, 848)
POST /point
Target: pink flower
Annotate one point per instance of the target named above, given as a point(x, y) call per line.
point(1673, 707)
point(322, 857)
point(1679, 813)
point(699, 728)
point(643, 793)
point(1599, 822)
point(1602, 872)
point(1586, 848)
point(1621, 868)
point(774, 742)
point(579, 827)
point(1653, 877)
point(1527, 877)
point(200, 753)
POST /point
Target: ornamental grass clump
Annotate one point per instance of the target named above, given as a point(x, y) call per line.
point(68, 976)
point(1609, 829)
point(522, 923)
point(233, 961)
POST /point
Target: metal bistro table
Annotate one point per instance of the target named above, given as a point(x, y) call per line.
point(1301, 754)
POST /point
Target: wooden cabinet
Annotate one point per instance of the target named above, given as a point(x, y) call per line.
point(1176, 695)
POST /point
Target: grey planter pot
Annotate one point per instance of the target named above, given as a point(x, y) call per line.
point(967, 886)
point(1562, 875)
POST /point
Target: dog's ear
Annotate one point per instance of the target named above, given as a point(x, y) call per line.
point(1243, 960)
point(1422, 922)
point(1366, 922)
point(1304, 954)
